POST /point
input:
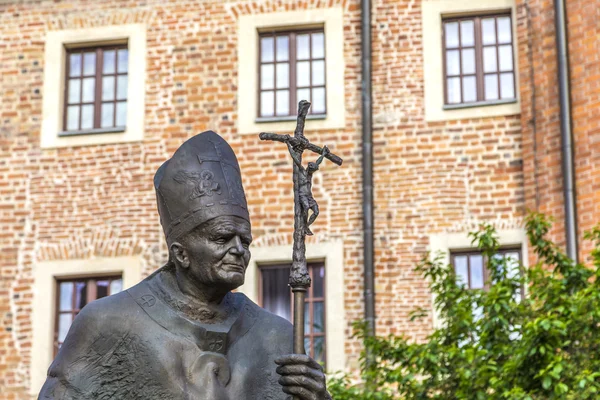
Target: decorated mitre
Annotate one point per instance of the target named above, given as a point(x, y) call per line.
point(200, 182)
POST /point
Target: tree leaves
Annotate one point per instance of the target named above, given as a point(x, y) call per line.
point(496, 344)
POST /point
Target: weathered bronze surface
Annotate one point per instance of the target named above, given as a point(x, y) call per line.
point(181, 333)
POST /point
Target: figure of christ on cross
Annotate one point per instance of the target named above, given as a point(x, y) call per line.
point(303, 202)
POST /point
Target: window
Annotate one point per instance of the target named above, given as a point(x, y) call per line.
point(277, 298)
point(470, 266)
point(478, 59)
point(96, 89)
point(73, 295)
point(292, 68)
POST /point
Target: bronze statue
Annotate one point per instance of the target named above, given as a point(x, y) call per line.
point(182, 333)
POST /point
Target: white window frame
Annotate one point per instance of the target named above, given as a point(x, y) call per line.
point(332, 253)
point(433, 12)
point(448, 242)
point(249, 26)
point(54, 83)
point(45, 276)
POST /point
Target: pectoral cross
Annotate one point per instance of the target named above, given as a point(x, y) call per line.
point(303, 203)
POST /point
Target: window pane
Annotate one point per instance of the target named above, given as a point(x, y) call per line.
point(318, 73)
point(89, 63)
point(319, 317)
point(476, 262)
point(73, 118)
point(101, 289)
point(283, 75)
point(80, 294)
point(89, 88)
point(307, 345)
point(488, 28)
point(283, 48)
point(108, 113)
point(283, 102)
point(116, 286)
point(267, 104)
point(122, 87)
point(302, 47)
point(469, 89)
point(453, 87)
point(66, 296)
point(75, 65)
point(462, 270)
point(304, 94)
point(506, 57)
point(275, 292)
point(451, 31)
point(504, 32)
point(318, 281)
point(267, 72)
point(87, 116)
point(303, 73)
point(318, 101)
point(121, 114)
point(266, 49)
point(507, 85)
point(318, 45)
point(319, 343)
point(512, 261)
point(467, 33)
point(468, 61)
point(490, 63)
point(64, 323)
point(74, 90)
point(491, 87)
point(123, 59)
point(108, 88)
point(452, 63)
point(108, 65)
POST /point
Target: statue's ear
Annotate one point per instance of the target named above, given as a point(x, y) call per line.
point(180, 254)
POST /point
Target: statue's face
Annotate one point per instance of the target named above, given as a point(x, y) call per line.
point(218, 252)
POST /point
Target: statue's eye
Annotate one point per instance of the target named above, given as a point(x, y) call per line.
point(221, 240)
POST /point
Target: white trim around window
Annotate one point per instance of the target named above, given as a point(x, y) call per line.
point(333, 255)
point(249, 26)
point(447, 242)
point(54, 83)
point(44, 301)
point(432, 13)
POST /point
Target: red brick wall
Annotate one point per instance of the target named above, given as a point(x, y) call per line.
point(98, 200)
point(541, 112)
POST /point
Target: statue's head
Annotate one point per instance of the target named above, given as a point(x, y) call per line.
point(203, 211)
point(312, 167)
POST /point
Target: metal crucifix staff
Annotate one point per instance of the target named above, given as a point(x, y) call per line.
point(303, 203)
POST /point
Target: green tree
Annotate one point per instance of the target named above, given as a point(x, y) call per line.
point(496, 343)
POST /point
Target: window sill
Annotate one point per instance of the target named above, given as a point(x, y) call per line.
point(261, 120)
point(479, 104)
point(119, 129)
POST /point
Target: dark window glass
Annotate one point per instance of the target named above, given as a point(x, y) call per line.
point(478, 59)
point(276, 297)
point(73, 295)
point(96, 88)
point(291, 68)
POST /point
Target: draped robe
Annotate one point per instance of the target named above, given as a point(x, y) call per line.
point(137, 345)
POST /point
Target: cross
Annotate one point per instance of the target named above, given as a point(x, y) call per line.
point(299, 277)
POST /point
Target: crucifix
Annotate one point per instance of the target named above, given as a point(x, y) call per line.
point(304, 203)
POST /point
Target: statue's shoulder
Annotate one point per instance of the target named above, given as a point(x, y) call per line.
point(272, 328)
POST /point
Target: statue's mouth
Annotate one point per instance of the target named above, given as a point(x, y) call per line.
point(234, 267)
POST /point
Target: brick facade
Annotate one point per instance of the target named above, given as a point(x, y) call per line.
point(98, 201)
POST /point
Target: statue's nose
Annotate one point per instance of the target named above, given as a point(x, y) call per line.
point(237, 247)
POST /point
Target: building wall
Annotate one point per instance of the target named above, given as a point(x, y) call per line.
point(97, 201)
point(541, 112)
